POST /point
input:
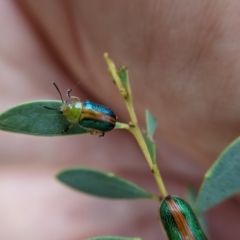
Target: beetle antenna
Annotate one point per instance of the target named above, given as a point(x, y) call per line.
point(55, 85)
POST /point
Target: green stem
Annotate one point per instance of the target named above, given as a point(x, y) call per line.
point(133, 126)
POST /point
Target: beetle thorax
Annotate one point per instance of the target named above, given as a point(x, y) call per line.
point(72, 111)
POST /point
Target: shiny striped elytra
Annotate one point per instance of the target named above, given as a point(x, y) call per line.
point(90, 116)
point(179, 220)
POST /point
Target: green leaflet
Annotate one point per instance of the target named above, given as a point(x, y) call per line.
point(151, 147)
point(101, 184)
point(151, 123)
point(222, 179)
point(32, 118)
point(123, 75)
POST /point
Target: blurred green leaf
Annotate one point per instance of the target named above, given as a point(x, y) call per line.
point(101, 184)
point(32, 118)
point(151, 123)
point(222, 179)
point(114, 238)
point(151, 147)
point(123, 74)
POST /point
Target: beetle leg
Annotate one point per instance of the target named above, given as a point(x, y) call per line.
point(67, 129)
point(71, 97)
point(68, 93)
point(93, 132)
point(102, 135)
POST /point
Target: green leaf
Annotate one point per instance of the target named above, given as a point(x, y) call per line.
point(113, 238)
point(123, 74)
point(222, 179)
point(101, 184)
point(32, 118)
point(151, 147)
point(151, 123)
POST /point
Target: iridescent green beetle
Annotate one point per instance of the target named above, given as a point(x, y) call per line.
point(90, 116)
point(179, 220)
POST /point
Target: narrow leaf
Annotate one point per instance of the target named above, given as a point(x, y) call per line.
point(123, 75)
point(222, 179)
point(113, 238)
point(34, 119)
point(151, 147)
point(101, 184)
point(151, 123)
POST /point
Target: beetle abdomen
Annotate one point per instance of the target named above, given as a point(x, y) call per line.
point(179, 220)
point(97, 125)
point(97, 117)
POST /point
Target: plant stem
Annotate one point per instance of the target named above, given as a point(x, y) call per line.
point(133, 125)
